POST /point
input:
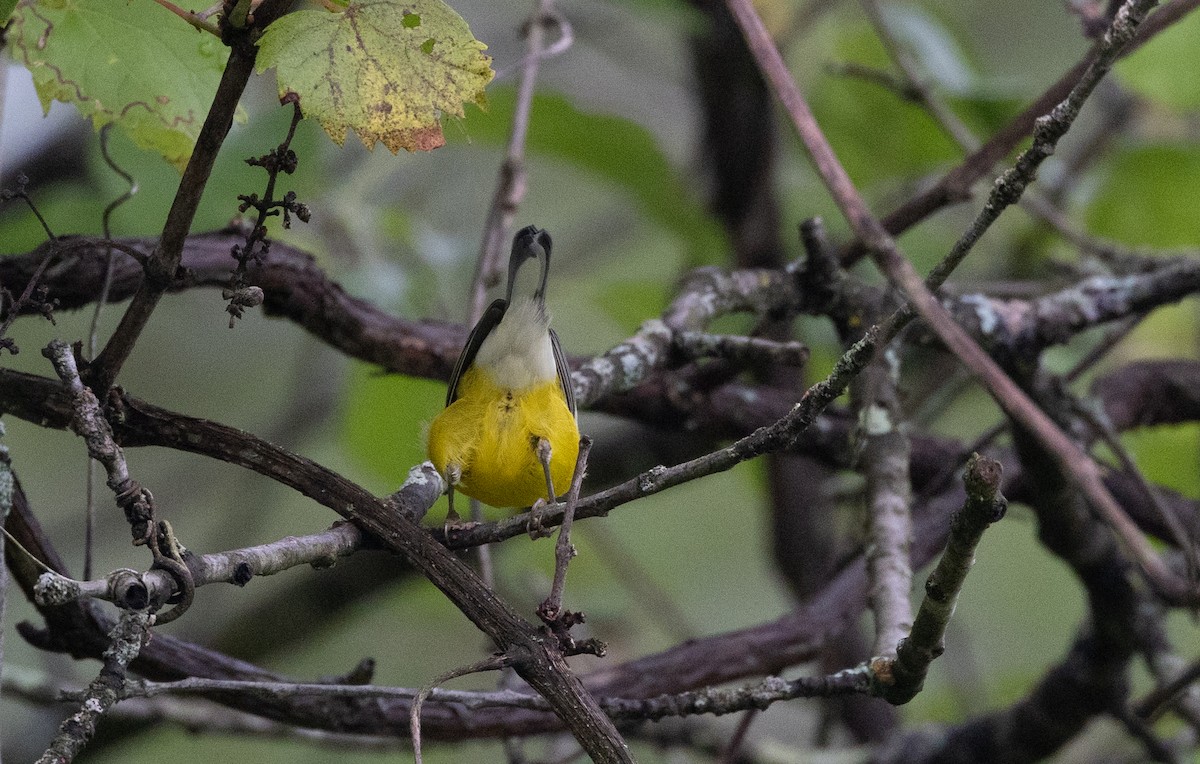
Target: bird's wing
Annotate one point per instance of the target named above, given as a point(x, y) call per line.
point(491, 317)
point(564, 372)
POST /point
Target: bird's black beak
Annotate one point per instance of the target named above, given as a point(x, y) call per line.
point(530, 243)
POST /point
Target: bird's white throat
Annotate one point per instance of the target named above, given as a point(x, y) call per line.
point(517, 354)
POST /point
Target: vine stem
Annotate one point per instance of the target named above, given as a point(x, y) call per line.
point(161, 269)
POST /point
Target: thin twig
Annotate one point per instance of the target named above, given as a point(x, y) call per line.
point(1138, 729)
point(1179, 534)
point(915, 84)
point(195, 19)
point(564, 550)
point(511, 183)
point(33, 295)
point(483, 553)
point(6, 502)
point(900, 678)
point(1157, 700)
point(491, 663)
point(645, 592)
point(21, 193)
point(1102, 348)
point(730, 754)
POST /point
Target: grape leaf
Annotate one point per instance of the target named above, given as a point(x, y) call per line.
point(388, 69)
point(132, 63)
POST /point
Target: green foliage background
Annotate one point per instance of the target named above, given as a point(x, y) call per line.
point(612, 175)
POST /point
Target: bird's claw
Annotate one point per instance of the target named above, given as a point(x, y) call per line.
point(455, 524)
point(536, 515)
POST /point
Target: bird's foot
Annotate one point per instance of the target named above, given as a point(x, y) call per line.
point(537, 514)
point(454, 523)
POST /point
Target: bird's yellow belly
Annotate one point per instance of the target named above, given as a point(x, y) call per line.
point(489, 434)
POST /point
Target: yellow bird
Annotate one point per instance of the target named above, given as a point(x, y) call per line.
point(508, 435)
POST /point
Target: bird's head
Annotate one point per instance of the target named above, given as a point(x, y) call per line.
point(529, 265)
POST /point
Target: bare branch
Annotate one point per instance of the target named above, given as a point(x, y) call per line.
point(564, 551)
point(130, 589)
point(742, 350)
point(884, 461)
point(88, 421)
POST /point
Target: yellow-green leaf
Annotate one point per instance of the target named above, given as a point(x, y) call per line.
point(133, 63)
point(388, 69)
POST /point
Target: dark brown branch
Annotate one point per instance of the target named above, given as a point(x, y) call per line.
point(536, 660)
point(1149, 393)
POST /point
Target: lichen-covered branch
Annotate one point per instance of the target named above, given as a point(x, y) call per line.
point(127, 638)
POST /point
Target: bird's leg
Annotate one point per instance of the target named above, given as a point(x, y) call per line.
point(541, 447)
point(452, 517)
point(453, 521)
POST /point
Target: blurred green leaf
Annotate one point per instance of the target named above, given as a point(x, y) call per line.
point(875, 133)
point(1167, 456)
point(985, 112)
point(629, 302)
point(6, 9)
point(933, 47)
point(1138, 202)
point(388, 69)
point(385, 420)
point(132, 63)
point(1158, 71)
point(617, 150)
